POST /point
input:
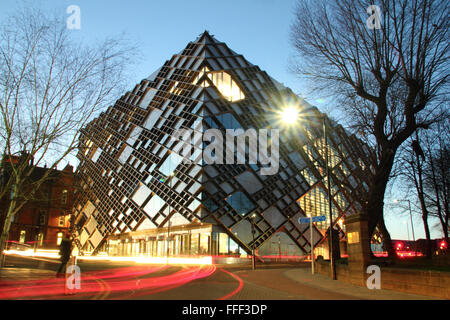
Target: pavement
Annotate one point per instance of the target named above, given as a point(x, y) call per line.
point(286, 282)
point(24, 274)
point(274, 281)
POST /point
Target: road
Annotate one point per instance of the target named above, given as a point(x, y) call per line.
point(102, 280)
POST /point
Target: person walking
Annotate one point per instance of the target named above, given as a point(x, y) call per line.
point(65, 251)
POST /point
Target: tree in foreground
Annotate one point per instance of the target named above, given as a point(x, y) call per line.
point(50, 87)
point(387, 65)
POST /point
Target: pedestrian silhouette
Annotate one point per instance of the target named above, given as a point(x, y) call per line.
point(65, 250)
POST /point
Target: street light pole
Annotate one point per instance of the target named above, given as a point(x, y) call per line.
point(168, 222)
point(289, 116)
point(332, 262)
point(311, 243)
point(412, 225)
point(412, 228)
point(253, 243)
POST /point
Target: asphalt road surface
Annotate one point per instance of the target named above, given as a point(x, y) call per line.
point(35, 278)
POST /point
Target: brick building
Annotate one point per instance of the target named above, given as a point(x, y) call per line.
point(42, 222)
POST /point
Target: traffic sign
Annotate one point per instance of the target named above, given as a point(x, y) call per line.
point(319, 218)
point(314, 219)
point(303, 220)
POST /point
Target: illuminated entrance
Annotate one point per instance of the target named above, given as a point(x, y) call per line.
point(185, 240)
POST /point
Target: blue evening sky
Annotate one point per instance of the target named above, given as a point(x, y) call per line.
point(258, 29)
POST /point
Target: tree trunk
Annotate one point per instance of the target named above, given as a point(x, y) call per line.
point(5, 232)
point(420, 193)
point(375, 204)
point(387, 239)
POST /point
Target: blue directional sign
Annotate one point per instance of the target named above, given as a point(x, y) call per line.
point(319, 218)
point(303, 220)
point(314, 219)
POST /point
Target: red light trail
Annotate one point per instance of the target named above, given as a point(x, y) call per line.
point(122, 280)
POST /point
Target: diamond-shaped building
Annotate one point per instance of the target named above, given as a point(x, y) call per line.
point(141, 196)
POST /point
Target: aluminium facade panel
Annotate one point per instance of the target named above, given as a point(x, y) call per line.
point(136, 176)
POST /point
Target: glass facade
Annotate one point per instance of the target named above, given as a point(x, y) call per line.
point(240, 203)
point(134, 182)
point(180, 244)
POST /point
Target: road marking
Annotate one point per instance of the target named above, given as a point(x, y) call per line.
point(107, 292)
point(239, 288)
point(102, 292)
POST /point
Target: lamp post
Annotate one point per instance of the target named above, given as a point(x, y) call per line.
point(412, 226)
point(290, 116)
point(168, 222)
point(253, 243)
point(332, 262)
point(311, 243)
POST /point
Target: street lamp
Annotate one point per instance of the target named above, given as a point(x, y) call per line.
point(407, 228)
point(168, 222)
point(253, 243)
point(311, 242)
point(412, 226)
point(290, 115)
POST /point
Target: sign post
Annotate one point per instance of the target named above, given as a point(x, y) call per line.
point(311, 244)
point(310, 220)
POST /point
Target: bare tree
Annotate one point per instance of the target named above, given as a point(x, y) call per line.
point(414, 162)
point(391, 76)
point(425, 166)
point(50, 87)
point(437, 174)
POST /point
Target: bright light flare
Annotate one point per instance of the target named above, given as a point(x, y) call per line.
point(206, 260)
point(290, 115)
point(193, 260)
point(30, 253)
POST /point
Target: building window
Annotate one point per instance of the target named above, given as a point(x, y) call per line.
point(240, 203)
point(40, 239)
point(64, 197)
point(223, 243)
point(204, 243)
point(42, 217)
point(224, 83)
point(23, 234)
point(61, 221)
point(59, 237)
point(195, 243)
point(226, 86)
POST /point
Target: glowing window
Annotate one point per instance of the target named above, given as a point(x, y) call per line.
point(88, 146)
point(226, 86)
point(64, 197)
point(22, 238)
point(61, 221)
point(59, 237)
point(223, 81)
point(40, 238)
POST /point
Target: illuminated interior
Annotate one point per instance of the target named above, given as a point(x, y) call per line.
point(223, 81)
point(183, 242)
point(226, 86)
